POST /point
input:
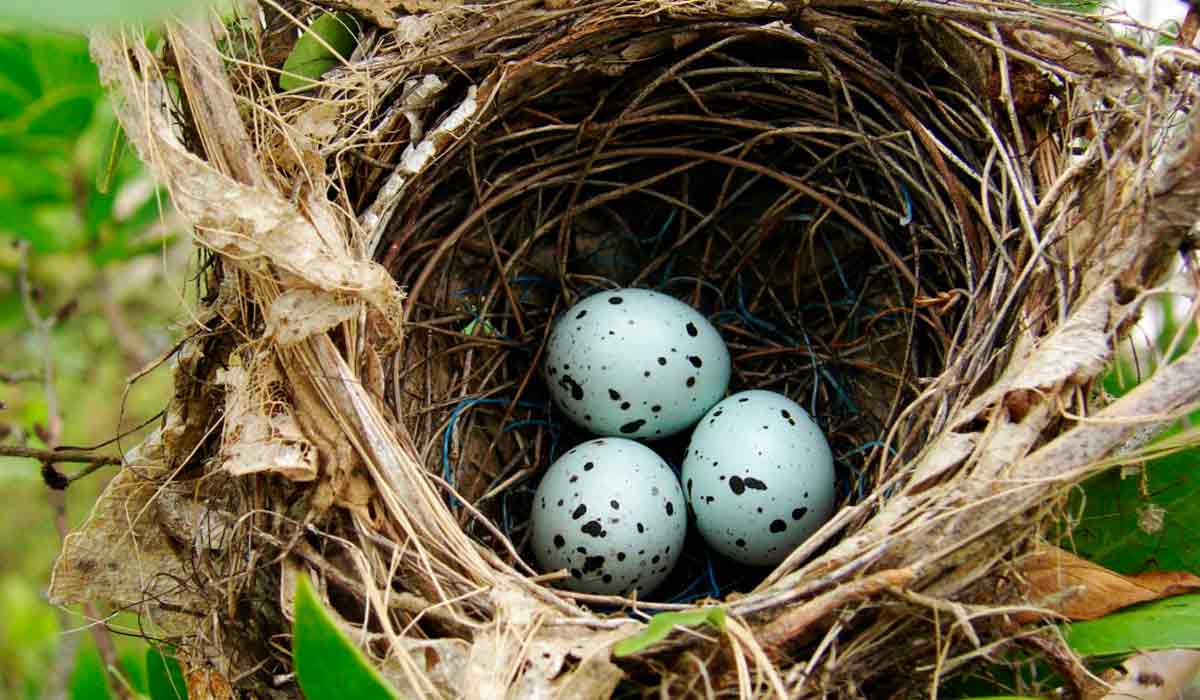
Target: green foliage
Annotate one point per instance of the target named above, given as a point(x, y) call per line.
point(1172, 623)
point(328, 42)
point(164, 676)
point(328, 665)
point(82, 15)
point(661, 625)
point(1145, 518)
point(62, 170)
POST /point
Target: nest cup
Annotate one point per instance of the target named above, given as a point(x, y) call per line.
point(927, 223)
point(728, 169)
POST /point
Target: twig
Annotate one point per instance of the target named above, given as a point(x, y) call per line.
point(59, 456)
point(18, 377)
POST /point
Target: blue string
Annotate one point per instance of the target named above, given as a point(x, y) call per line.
point(714, 589)
point(837, 265)
point(447, 469)
point(908, 206)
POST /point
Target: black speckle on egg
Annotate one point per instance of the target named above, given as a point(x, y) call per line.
point(612, 394)
point(633, 426)
point(740, 542)
point(607, 578)
point(655, 408)
point(646, 374)
point(620, 556)
point(587, 417)
point(798, 513)
point(689, 490)
point(571, 385)
point(743, 400)
point(655, 559)
point(592, 564)
point(581, 314)
point(615, 505)
point(581, 550)
point(784, 413)
point(692, 330)
point(737, 485)
point(752, 483)
point(662, 361)
point(695, 360)
point(653, 490)
point(708, 499)
point(574, 478)
point(641, 528)
point(691, 382)
point(615, 300)
point(806, 494)
point(576, 573)
point(593, 528)
point(578, 512)
point(777, 526)
point(670, 509)
point(560, 503)
point(559, 541)
point(587, 467)
point(625, 405)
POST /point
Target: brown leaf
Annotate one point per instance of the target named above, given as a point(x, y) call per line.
point(1083, 590)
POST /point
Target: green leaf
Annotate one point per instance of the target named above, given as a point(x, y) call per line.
point(1171, 623)
point(661, 625)
point(61, 114)
point(165, 676)
point(88, 679)
point(329, 41)
point(19, 81)
point(1145, 520)
point(328, 665)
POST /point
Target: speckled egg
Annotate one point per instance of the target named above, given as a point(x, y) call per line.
point(759, 477)
point(635, 363)
point(612, 513)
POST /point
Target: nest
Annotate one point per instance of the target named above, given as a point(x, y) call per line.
point(928, 223)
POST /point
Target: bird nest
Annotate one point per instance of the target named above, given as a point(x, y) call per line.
point(928, 223)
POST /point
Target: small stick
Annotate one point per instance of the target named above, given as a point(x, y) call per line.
point(59, 456)
point(799, 624)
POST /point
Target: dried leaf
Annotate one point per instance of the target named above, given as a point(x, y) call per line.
point(299, 313)
point(261, 432)
point(121, 555)
point(205, 683)
point(1154, 675)
point(1082, 590)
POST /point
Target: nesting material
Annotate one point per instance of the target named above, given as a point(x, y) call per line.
point(927, 223)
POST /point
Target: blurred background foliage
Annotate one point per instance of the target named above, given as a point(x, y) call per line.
point(103, 256)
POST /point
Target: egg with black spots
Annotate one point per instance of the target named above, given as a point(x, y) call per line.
point(612, 513)
point(759, 476)
point(635, 363)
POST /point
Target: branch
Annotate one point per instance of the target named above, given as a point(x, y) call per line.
point(59, 456)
